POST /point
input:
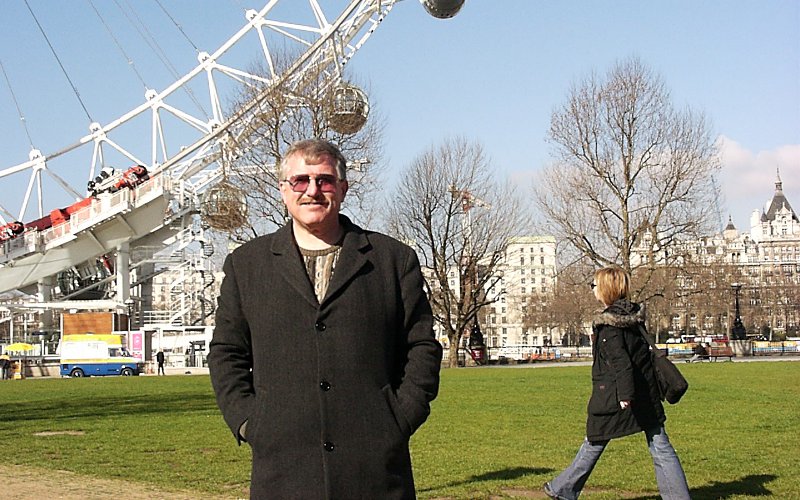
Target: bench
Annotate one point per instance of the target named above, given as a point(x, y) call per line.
point(720, 351)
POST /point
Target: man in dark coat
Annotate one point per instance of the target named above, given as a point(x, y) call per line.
point(160, 361)
point(323, 357)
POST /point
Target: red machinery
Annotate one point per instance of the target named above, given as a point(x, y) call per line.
point(106, 182)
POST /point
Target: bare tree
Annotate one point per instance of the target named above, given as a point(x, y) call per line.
point(288, 116)
point(451, 207)
point(630, 169)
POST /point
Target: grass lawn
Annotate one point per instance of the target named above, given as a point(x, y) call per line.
point(493, 432)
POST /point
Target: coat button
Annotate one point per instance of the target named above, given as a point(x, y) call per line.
point(320, 326)
point(328, 446)
point(325, 385)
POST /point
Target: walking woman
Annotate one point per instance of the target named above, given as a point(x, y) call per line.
point(625, 397)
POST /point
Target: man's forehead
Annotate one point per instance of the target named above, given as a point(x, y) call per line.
point(323, 160)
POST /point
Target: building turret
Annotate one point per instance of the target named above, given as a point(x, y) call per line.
point(778, 218)
point(730, 233)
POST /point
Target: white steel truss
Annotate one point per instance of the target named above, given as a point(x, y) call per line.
point(325, 43)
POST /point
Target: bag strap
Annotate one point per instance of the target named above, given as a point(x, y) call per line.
point(648, 338)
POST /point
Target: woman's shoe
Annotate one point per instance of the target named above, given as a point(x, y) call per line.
point(548, 491)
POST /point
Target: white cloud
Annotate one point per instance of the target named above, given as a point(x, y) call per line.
point(748, 178)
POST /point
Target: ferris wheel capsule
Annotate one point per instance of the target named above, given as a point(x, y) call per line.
point(442, 9)
point(348, 110)
point(224, 207)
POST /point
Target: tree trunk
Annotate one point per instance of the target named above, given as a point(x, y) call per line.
point(455, 342)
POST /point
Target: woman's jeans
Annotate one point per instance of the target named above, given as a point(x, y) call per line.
point(669, 473)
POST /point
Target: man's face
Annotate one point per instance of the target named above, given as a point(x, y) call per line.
point(318, 205)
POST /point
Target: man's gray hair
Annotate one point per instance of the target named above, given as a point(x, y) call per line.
point(312, 151)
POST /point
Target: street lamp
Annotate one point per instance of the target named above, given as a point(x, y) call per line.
point(738, 331)
point(129, 306)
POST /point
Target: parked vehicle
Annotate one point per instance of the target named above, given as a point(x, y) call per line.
point(90, 354)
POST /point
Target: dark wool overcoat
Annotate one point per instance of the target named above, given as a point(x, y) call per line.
point(622, 370)
point(331, 391)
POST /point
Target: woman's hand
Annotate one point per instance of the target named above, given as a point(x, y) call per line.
point(624, 404)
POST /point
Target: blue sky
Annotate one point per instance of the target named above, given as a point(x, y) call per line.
point(494, 73)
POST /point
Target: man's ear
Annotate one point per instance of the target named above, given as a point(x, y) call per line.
point(345, 187)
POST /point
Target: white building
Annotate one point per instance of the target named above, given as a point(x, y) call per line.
point(764, 262)
point(528, 268)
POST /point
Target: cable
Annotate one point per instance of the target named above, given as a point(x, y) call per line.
point(53, 50)
point(153, 44)
point(178, 26)
point(119, 46)
point(14, 98)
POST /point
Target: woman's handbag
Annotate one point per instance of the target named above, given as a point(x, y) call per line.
point(671, 382)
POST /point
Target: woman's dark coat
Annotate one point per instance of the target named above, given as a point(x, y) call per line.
point(337, 388)
point(622, 371)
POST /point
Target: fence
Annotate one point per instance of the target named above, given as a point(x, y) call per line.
point(763, 348)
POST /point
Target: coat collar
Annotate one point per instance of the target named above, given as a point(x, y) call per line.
point(621, 314)
point(352, 258)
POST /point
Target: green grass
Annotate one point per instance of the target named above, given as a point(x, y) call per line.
point(493, 431)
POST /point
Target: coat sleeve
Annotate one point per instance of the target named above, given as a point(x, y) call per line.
point(420, 379)
point(230, 357)
point(616, 352)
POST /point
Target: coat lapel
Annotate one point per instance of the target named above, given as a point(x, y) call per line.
point(290, 264)
point(351, 260)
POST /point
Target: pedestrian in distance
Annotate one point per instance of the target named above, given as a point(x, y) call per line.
point(160, 361)
point(699, 353)
point(625, 396)
point(323, 357)
point(5, 366)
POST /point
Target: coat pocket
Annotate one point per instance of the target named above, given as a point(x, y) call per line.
point(604, 398)
point(394, 408)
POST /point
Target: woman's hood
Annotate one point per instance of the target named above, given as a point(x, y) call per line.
point(621, 314)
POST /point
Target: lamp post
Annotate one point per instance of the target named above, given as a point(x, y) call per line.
point(469, 285)
point(738, 331)
point(129, 306)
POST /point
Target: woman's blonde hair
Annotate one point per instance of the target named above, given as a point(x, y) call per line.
point(612, 283)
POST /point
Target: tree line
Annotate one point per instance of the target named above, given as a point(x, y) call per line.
point(631, 172)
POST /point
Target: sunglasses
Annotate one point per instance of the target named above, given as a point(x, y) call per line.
point(325, 182)
point(592, 285)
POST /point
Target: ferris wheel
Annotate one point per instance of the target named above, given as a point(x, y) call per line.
point(172, 154)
